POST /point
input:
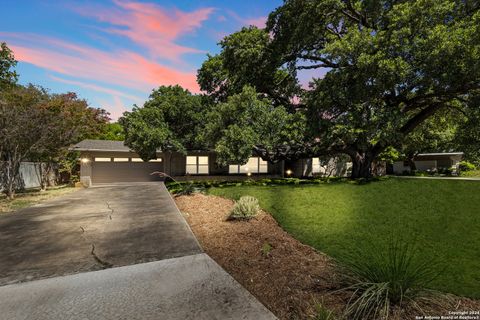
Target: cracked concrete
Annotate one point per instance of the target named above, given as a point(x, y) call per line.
point(56, 237)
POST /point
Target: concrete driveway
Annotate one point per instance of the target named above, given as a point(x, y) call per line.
point(93, 229)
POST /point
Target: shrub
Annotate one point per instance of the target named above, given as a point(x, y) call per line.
point(245, 208)
point(466, 166)
point(381, 279)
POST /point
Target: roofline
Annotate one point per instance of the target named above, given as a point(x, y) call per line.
point(101, 150)
point(441, 154)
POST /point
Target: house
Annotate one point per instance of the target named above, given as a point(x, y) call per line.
point(106, 161)
point(432, 162)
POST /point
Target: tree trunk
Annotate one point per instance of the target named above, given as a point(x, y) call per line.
point(362, 165)
point(411, 162)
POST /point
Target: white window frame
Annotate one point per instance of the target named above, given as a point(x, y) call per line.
point(253, 165)
point(199, 164)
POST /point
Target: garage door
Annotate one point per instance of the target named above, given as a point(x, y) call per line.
point(108, 172)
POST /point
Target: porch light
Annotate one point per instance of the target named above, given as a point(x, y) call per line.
point(84, 160)
point(289, 172)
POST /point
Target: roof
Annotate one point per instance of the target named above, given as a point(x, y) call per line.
point(440, 154)
point(100, 145)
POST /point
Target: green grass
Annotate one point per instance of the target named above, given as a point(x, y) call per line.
point(30, 197)
point(441, 217)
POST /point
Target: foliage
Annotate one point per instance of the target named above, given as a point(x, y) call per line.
point(266, 249)
point(380, 279)
point(170, 120)
point(112, 131)
point(382, 70)
point(336, 217)
point(322, 313)
point(245, 121)
point(245, 208)
point(468, 133)
point(246, 59)
point(7, 63)
point(38, 126)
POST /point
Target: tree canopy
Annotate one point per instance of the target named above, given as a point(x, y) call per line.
point(384, 68)
point(171, 120)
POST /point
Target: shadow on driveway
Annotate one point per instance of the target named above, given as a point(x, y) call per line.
point(93, 229)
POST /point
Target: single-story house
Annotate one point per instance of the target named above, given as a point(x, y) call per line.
point(107, 161)
point(430, 162)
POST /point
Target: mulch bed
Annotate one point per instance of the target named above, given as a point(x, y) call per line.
point(288, 277)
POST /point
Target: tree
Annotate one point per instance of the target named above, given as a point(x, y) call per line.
point(171, 120)
point(246, 59)
point(21, 131)
point(389, 66)
point(7, 63)
point(113, 131)
point(38, 126)
point(246, 123)
point(467, 135)
point(66, 120)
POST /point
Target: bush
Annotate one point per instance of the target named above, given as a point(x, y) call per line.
point(245, 208)
point(381, 279)
point(466, 166)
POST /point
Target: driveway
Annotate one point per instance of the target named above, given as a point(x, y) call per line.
point(93, 229)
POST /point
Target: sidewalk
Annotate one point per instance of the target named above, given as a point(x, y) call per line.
point(190, 287)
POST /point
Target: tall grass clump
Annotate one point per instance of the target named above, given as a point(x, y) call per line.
point(245, 208)
point(382, 279)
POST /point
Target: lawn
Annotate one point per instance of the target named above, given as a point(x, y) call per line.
point(441, 217)
point(30, 197)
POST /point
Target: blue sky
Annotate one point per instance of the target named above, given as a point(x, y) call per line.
point(113, 53)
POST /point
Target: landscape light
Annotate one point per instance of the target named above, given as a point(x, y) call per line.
point(289, 172)
point(249, 174)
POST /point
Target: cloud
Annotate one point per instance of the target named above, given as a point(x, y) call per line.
point(150, 26)
point(98, 88)
point(120, 67)
point(259, 22)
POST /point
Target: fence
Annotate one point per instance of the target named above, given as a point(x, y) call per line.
point(29, 177)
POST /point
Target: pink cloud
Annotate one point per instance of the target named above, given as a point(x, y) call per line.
point(150, 25)
point(98, 88)
point(121, 67)
point(259, 22)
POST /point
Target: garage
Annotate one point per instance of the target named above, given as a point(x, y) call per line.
point(108, 161)
point(109, 172)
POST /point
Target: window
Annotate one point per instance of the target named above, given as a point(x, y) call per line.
point(316, 165)
point(140, 160)
point(253, 165)
point(197, 165)
point(103, 159)
point(137, 160)
point(156, 160)
point(120, 159)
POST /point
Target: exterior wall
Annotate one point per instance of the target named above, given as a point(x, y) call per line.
point(429, 163)
point(304, 168)
point(174, 164)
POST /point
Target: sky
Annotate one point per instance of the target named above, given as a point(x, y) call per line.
point(114, 52)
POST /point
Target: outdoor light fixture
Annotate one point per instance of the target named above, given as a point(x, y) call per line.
point(249, 174)
point(289, 172)
point(85, 160)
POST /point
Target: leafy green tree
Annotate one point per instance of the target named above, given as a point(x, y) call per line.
point(388, 67)
point(8, 76)
point(171, 120)
point(467, 136)
point(246, 123)
point(246, 59)
point(113, 131)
